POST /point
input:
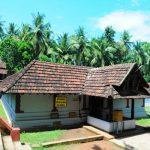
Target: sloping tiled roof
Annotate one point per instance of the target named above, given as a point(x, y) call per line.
point(99, 80)
point(45, 77)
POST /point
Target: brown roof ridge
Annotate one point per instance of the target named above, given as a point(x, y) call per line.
point(69, 65)
point(20, 74)
point(88, 67)
point(131, 67)
point(114, 65)
point(87, 76)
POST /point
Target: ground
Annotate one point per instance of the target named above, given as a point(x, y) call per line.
point(96, 145)
point(40, 137)
point(144, 121)
point(138, 142)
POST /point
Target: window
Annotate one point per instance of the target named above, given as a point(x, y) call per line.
point(143, 103)
point(18, 102)
point(84, 102)
point(127, 103)
point(106, 104)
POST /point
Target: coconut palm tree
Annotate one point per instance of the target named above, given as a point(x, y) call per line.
point(1, 29)
point(109, 35)
point(101, 54)
point(139, 53)
point(12, 30)
point(40, 35)
point(63, 50)
point(26, 33)
point(78, 45)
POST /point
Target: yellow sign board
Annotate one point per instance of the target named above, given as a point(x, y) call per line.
point(61, 101)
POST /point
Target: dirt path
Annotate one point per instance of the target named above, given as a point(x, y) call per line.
point(81, 133)
point(138, 142)
point(96, 145)
point(77, 133)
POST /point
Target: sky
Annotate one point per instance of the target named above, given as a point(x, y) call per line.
point(93, 15)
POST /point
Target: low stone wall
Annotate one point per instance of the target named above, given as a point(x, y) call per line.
point(109, 126)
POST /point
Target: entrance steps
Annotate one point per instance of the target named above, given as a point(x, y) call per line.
point(10, 137)
point(6, 143)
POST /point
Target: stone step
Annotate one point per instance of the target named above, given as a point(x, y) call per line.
point(73, 140)
point(1, 143)
point(106, 135)
point(26, 147)
point(8, 143)
point(17, 145)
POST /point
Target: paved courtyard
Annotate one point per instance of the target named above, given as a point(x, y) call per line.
point(138, 142)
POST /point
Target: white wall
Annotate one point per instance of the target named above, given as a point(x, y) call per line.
point(139, 110)
point(121, 105)
point(36, 103)
point(37, 109)
point(109, 126)
point(44, 103)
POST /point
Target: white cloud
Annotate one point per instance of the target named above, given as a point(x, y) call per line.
point(137, 23)
point(135, 2)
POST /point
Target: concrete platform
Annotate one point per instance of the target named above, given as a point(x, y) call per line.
point(74, 140)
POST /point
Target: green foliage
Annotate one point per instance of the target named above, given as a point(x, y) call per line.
point(40, 137)
point(2, 112)
point(15, 53)
point(19, 46)
point(145, 122)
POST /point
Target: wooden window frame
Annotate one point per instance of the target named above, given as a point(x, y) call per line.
point(18, 104)
point(143, 103)
point(127, 103)
point(84, 102)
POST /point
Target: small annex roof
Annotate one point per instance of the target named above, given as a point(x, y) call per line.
point(100, 80)
point(45, 77)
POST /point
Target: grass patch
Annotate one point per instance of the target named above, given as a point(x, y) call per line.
point(40, 137)
point(147, 109)
point(2, 112)
point(143, 122)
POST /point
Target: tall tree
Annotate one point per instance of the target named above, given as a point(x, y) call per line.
point(12, 30)
point(16, 54)
point(26, 33)
point(109, 35)
point(1, 29)
point(78, 45)
point(101, 54)
point(63, 49)
point(40, 35)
